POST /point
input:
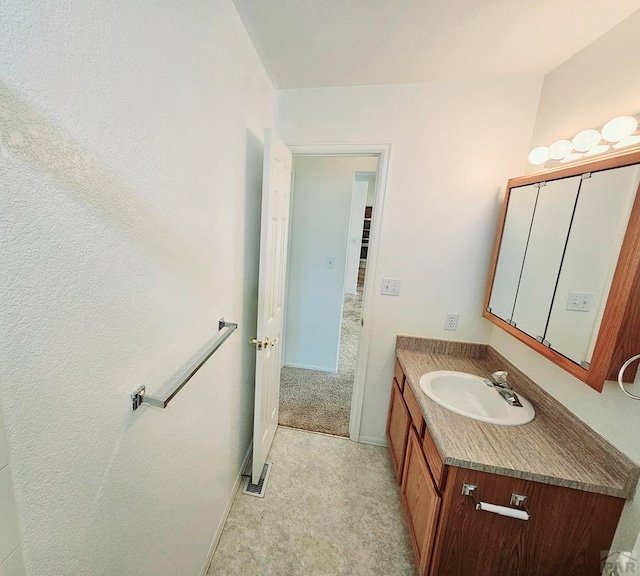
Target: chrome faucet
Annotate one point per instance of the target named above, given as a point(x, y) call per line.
point(499, 382)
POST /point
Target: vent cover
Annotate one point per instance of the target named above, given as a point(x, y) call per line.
point(260, 488)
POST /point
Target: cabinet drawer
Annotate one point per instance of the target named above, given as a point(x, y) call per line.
point(414, 410)
point(398, 374)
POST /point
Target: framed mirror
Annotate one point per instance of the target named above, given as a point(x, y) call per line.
point(515, 237)
point(543, 258)
point(565, 274)
point(592, 248)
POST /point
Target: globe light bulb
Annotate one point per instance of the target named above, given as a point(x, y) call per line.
point(598, 150)
point(539, 155)
point(619, 128)
point(629, 141)
point(559, 149)
point(585, 140)
point(571, 157)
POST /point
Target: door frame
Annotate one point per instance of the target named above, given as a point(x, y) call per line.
point(383, 152)
point(358, 177)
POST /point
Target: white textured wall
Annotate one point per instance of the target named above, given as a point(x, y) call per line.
point(453, 146)
point(130, 170)
point(320, 216)
point(11, 561)
point(598, 83)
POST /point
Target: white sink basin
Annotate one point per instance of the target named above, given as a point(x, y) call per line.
point(469, 396)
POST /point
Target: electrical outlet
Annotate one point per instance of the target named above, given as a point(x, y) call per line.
point(451, 321)
point(390, 287)
point(331, 261)
point(580, 301)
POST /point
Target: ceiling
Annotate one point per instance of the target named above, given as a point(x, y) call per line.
point(313, 43)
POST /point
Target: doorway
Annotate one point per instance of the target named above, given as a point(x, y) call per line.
point(335, 200)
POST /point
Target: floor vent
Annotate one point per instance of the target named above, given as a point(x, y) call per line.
point(260, 488)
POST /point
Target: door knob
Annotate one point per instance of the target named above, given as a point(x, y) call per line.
point(260, 344)
point(257, 342)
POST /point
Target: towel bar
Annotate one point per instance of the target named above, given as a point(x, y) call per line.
point(621, 377)
point(138, 397)
point(520, 513)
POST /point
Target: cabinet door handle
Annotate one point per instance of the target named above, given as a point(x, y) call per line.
point(519, 513)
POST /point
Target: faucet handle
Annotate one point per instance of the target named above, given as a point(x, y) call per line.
point(500, 377)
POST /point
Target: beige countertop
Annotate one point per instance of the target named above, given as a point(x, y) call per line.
point(555, 448)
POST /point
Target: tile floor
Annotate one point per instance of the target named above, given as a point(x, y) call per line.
point(331, 508)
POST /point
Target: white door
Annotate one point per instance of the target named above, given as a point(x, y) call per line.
point(276, 190)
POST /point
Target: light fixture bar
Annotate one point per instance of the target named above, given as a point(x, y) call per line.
point(617, 133)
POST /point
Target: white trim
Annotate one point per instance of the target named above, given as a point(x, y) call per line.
point(364, 149)
point(223, 520)
point(383, 152)
point(365, 176)
point(283, 344)
point(373, 441)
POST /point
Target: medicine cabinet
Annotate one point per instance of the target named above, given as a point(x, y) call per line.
point(565, 273)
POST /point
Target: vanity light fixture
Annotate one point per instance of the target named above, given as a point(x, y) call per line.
point(619, 132)
point(619, 128)
point(586, 140)
point(628, 141)
point(559, 149)
point(571, 157)
point(600, 149)
point(539, 155)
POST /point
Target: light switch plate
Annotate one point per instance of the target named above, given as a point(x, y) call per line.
point(390, 287)
point(580, 301)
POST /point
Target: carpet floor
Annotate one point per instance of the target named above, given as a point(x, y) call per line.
point(321, 401)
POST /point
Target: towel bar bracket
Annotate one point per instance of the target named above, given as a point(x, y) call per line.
point(136, 398)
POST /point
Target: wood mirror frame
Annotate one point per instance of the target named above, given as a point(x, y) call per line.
point(619, 333)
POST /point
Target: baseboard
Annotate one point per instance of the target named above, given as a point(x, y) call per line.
point(305, 367)
point(373, 441)
point(218, 533)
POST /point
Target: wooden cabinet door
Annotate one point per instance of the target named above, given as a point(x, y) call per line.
point(397, 430)
point(421, 502)
point(565, 535)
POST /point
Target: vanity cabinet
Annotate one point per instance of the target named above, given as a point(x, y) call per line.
point(420, 496)
point(421, 502)
point(565, 533)
point(565, 274)
point(398, 430)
